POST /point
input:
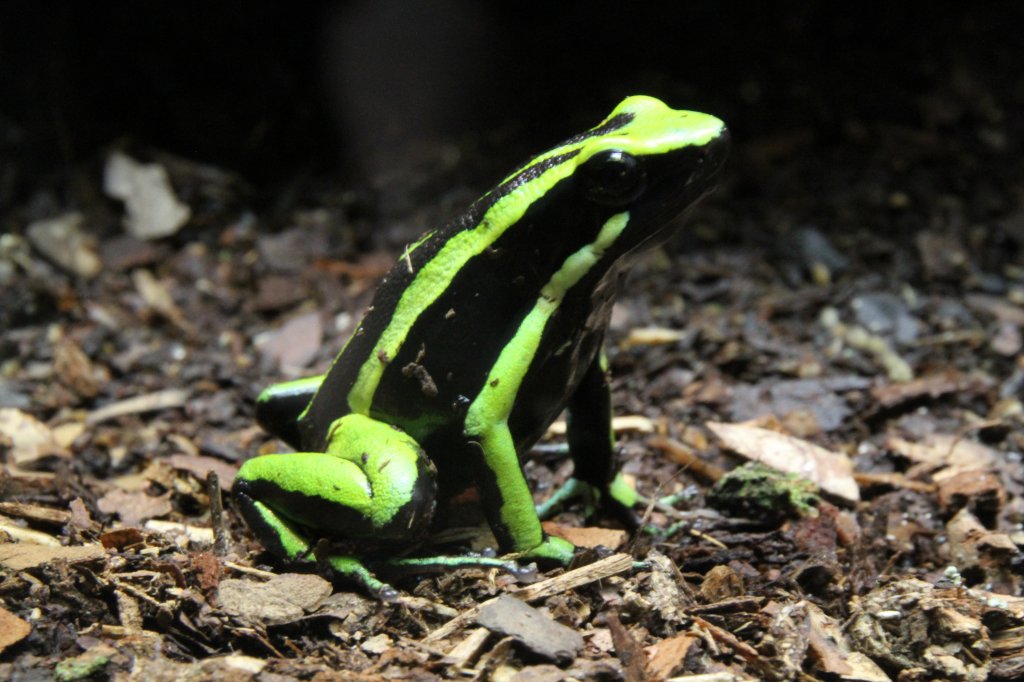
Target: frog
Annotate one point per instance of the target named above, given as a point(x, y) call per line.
point(479, 337)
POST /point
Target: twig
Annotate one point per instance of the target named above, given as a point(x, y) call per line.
point(220, 535)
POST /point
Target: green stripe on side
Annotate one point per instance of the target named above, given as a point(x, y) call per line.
point(494, 403)
point(487, 418)
point(435, 276)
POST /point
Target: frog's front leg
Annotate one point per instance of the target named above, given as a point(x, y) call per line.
point(508, 502)
point(592, 446)
point(373, 482)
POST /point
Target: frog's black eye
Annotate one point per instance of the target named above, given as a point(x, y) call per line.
point(613, 177)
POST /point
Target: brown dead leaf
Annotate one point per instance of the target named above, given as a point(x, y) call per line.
point(80, 518)
point(28, 440)
point(75, 370)
point(668, 656)
point(12, 629)
point(200, 465)
point(134, 507)
point(830, 471)
point(588, 536)
point(981, 492)
point(931, 386)
point(940, 450)
point(296, 343)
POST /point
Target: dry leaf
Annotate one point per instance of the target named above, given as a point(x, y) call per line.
point(134, 507)
point(28, 439)
point(668, 656)
point(830, 471)
point(588, 536)
point(945, 450)
point(200, 465)
point(12, 629)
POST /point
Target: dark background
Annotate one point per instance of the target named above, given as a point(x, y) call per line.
point(271, 90)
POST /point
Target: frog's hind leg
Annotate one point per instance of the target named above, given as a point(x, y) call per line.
point(592, 446)
point(285, 540)
point(373, 483)
point(279, 407)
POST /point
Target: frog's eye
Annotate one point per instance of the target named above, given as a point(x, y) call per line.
point(613, 177)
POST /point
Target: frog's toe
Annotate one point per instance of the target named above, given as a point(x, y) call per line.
point(353, 569)
point(552, 550)
point(571, 490)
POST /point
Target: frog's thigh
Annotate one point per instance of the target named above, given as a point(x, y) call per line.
point(590, 435)
point(334, 495)
point(279, 406)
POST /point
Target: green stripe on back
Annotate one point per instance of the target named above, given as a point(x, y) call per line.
point(495, 401)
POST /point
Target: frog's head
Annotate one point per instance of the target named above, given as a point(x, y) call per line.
point(651, 161)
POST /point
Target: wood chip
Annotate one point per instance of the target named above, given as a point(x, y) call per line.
point(198, 534)
point(468, 650)
point(685, 456)
point(150, 402)
point(630, 653)
point(622, 424)
point(35, 512)
point(159, 299)
point(831, 650)
point(22, 555)
point(653, 336)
